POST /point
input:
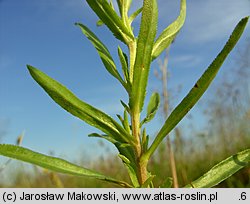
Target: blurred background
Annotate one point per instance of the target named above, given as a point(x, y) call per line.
point(42, 33)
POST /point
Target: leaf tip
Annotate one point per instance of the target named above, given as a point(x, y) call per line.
point(245, 20)
point(30, 68)
point(77, 24)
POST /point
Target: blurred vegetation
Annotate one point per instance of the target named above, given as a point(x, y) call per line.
point(228, 131)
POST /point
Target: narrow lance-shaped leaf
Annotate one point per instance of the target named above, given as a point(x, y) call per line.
point(53, 163)
point(120, 118)
point(67, 100)
point(102, 136)
point(116, 19)
point(131, 170)
point(97, 8)
point(143, 54)
point(152, 107)
point(124, 64)
point(108, 16)
point(134, 15)
point(132, 175)
point(222, 171)
point(144, 140)
point(103, 53)
point(169, 34)
point(125, 107)
point(120, 5)
point(18, 143)
point(126, 122)
point(123, 148)
point(123, 158)
point(199, 88)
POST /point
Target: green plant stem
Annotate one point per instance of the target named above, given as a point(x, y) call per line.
point(132, 52)
point(135, 121)
point(136, 132)
point(141, 166)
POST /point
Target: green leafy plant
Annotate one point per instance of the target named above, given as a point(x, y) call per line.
point(129, 135)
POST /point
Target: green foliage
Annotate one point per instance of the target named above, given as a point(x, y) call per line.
point(169, 34)
point(153, 105)
point(143, 54)
point(67, 100)
point(124, 63)
point(103, 52)
point(223, 170)
point(199, 88)
point(109, 17)
point(129, 137)
point(52, 163)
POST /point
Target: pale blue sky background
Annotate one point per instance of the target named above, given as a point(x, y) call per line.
point(42, 33)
